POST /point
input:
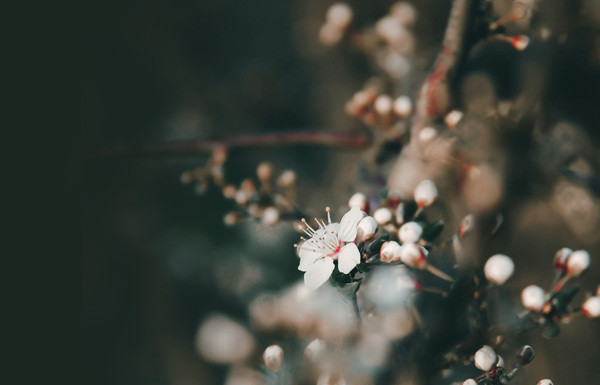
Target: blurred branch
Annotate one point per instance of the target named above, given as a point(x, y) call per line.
point(193, 147)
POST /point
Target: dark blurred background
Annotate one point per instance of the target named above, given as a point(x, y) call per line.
point(157, 257)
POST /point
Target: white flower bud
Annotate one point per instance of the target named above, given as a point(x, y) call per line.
point(533, 297)
point(469, 381)
point(425, 193)
point(270, 216)
point(427, 134)
point(466, 225)
point(358, 199)
point(242, 197)
point(330, 34)
point(591, 307)
point(561, 257)
point(452, 119)
point(485, 358)
point(390, 252)
point(340, 15)
point(410, 232)
point(382, 215)
point(404, 12)
point(286, 179)
point(273, 358)
point(402, 106)
point(366, 229)
point(578, 262)
point(413, 255)
point(498, 269)
point(264, 171)
point(314, 350)
point(520, 42)
point(545, 381)
point(383, 104)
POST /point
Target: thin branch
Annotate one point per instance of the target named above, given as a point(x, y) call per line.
point(194, 147)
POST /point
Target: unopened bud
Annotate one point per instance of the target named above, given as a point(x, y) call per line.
point(229, 191)
point(545, 381)
point(520, 42)
point(498, 269)
point(242, 197)
point(427, 134)
point(390, 252)
point(413, 255)
point(382, 215)
point(561, 257)
point(404, 12)
point(383, 105)
point(425, 193)
point(525, 355)
point(273, 358)
point(469, 381)
point(358, 199)
point(314, 350)
point(578, 263)
point(402, 106)
point(410, 232)
point(366, 229)
point(591, 307)
point(286, 179)
point(533, 297)
point(339, 15)
point(270, 216)
point(452, 118)
point(264, 171)
point(485, 358)
point(233, 218)
point(330, 34)
point(466, 225)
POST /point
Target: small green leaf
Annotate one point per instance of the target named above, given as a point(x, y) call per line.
point(350, 289)
point(363, 267)
point(375, 246)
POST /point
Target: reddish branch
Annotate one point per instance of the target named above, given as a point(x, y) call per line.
point(194, 147)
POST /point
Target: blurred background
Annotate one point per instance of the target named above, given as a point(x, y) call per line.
point(157, 258)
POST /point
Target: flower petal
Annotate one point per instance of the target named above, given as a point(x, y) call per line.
point(348, 257)
point(318, 273)
point(349, 223)
point(307, 258)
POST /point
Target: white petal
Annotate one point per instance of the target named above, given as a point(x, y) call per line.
point(349, 223)
point(307, 258)
point(348, 257)
point(318, 273)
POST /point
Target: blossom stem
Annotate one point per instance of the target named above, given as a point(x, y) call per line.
point(356, 309)
point(437, 272)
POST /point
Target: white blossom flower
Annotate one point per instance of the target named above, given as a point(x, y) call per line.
point(591, 307)
point(485, 358)
point(578, 262)
point(328, 243)
point(533, 297)
point(273, 358)
point(410, 232)
point(498, 269)
point(425, 193)
point(545, 381)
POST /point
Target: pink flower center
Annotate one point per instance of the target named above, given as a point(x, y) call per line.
point(337, 250)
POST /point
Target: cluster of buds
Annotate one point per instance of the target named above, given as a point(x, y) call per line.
point(487, 360)
point(210, 174)
point(548, 310)
point(268, 201)
point(377, 109)
point(404, 237)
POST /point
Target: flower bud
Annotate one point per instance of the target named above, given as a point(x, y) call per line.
point(382, 215)
point(330, 34)
point(498, 269)
point(366, 229)
point(402, 106)
point(425, 193)
point(229, 191)
point(286, 179)
point(485, 358)
point(358, 199)
point(273, 358)
point(452, 119)
point(470, 381)
point(466, 225)
point(545, 381)
point(383, 105)
point(390, 252)
point(410, 232)
point(264, 171)
point(520, 42)
point(591, 307)
point(399, 213)
point(270, 216)
point(426, 134)
point(314, 350)
point(561, 257)
point(525, 355)
point(413, 255)
point(578, 263)
point(339, 15)
point(242, 197)
point(533, 297)
point(404, 12)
